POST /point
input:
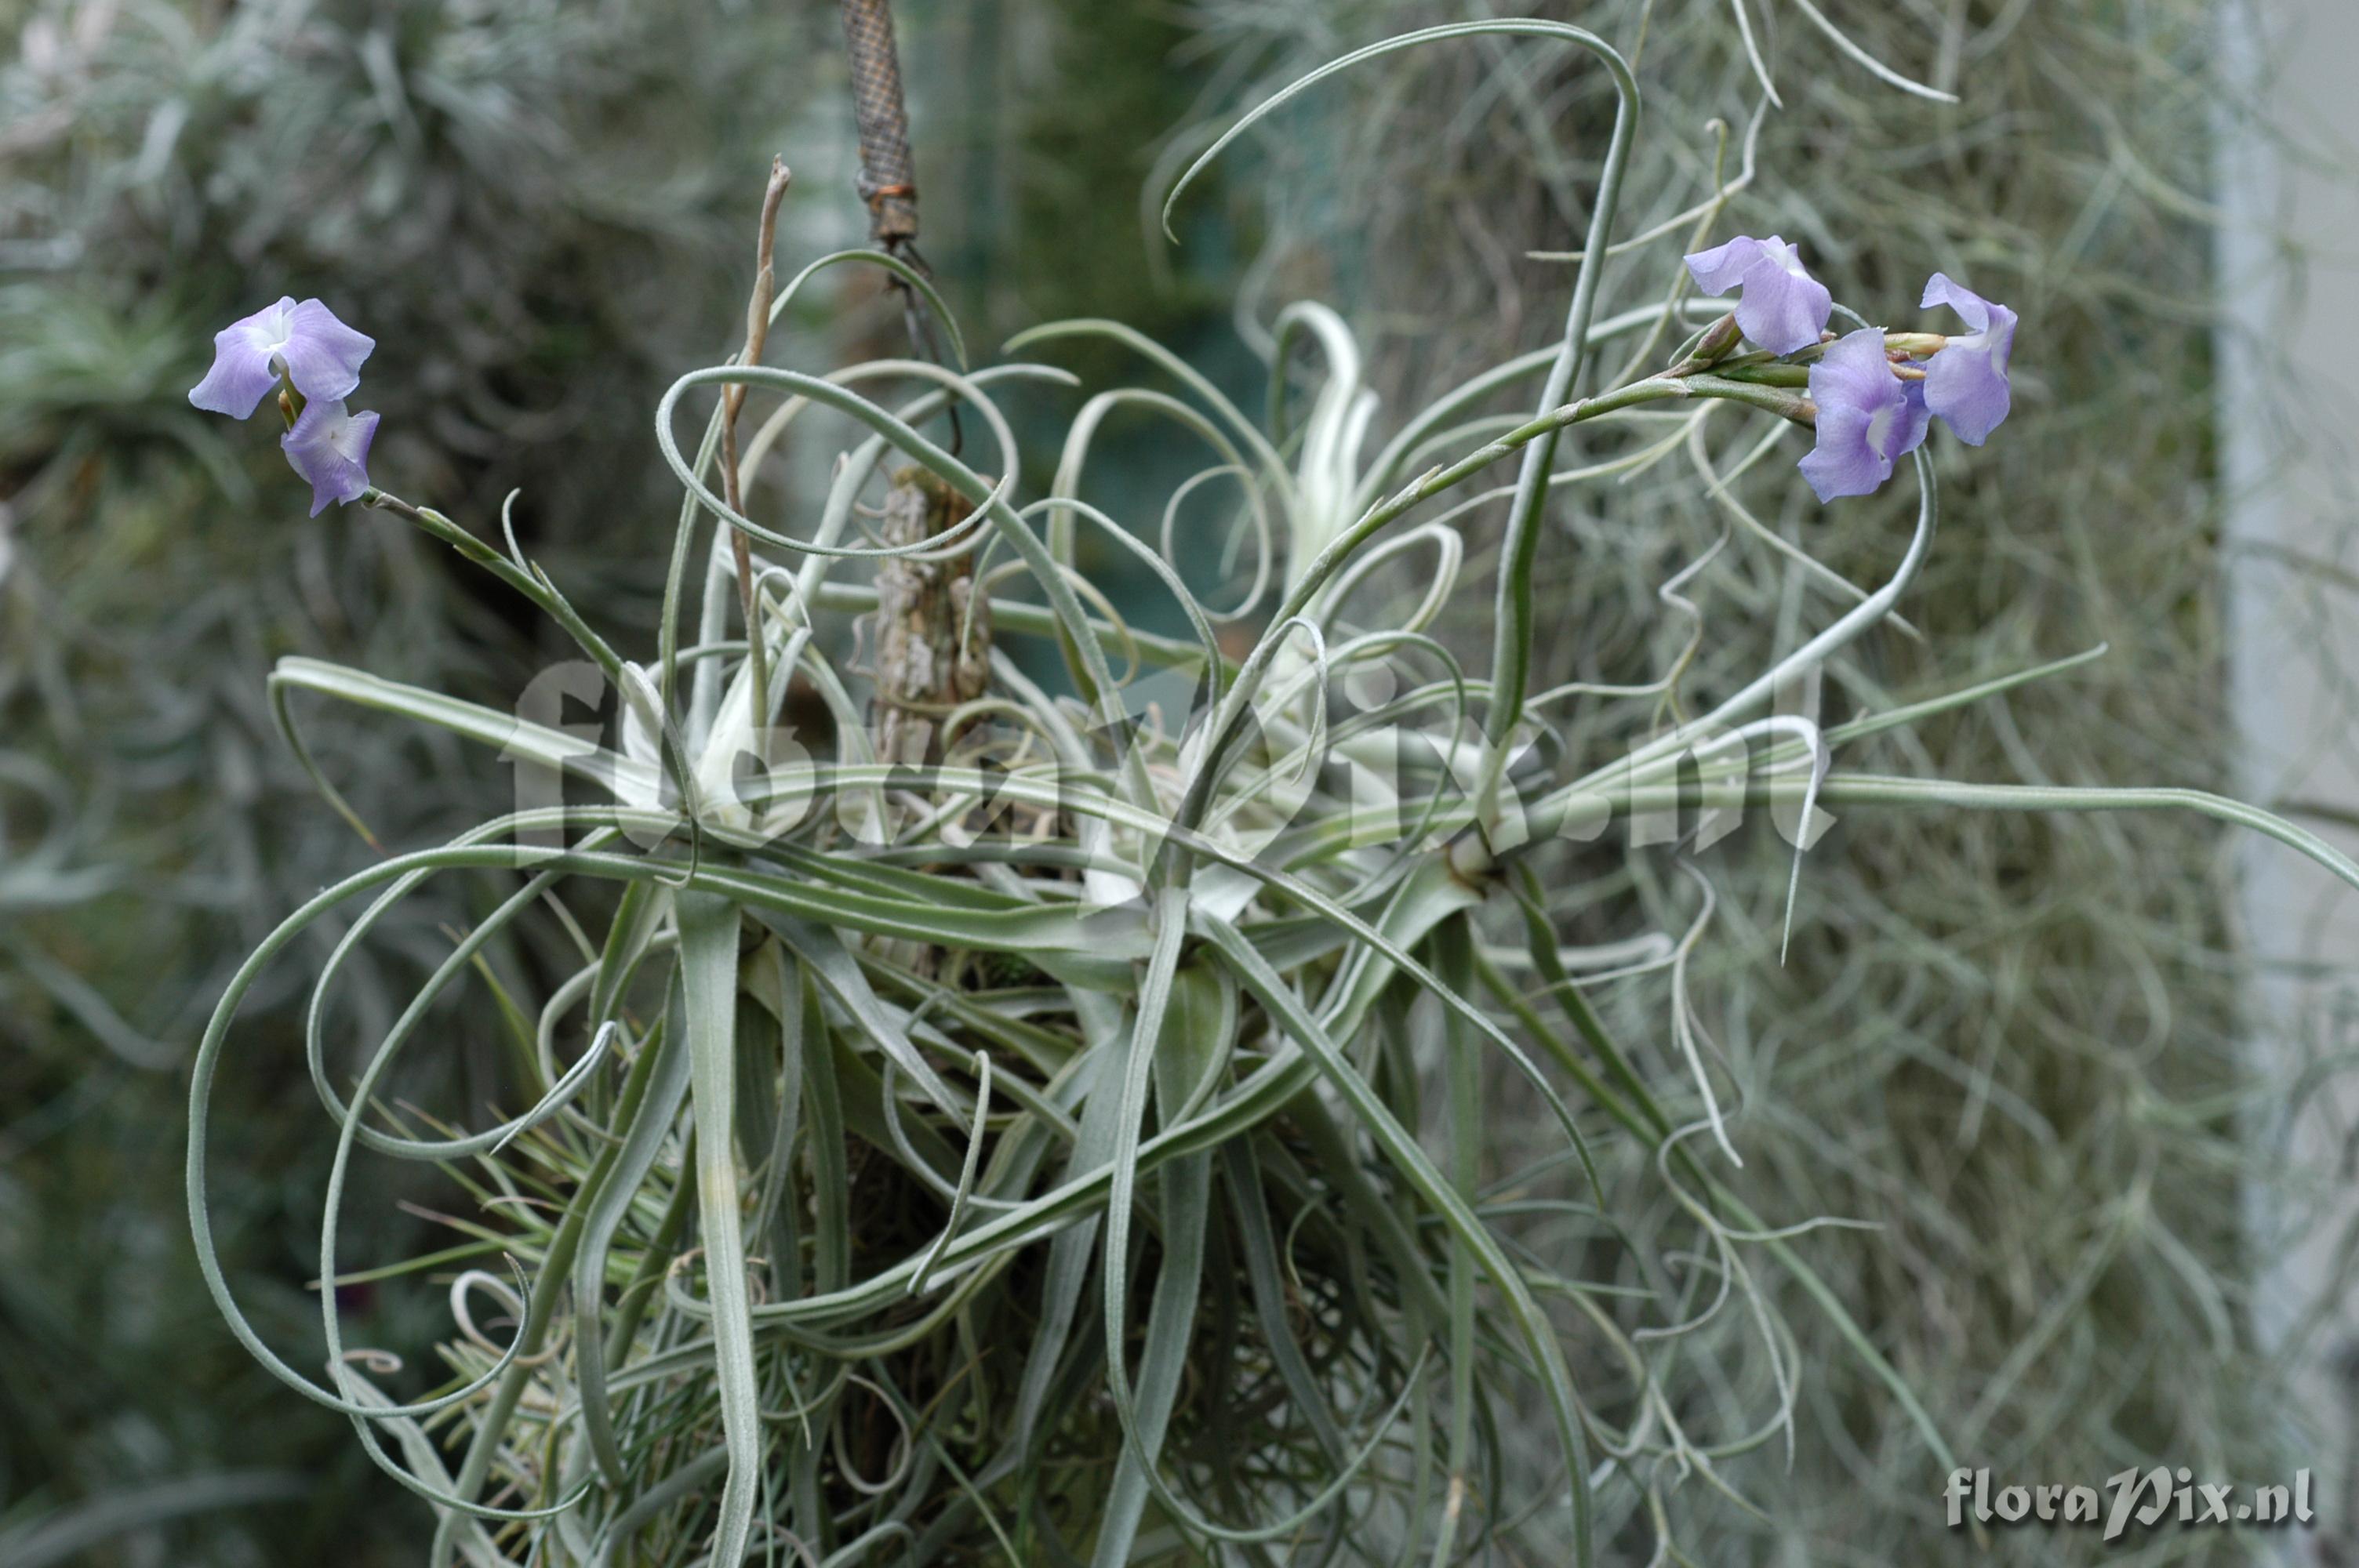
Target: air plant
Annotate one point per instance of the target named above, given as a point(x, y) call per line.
point(1062, 1136)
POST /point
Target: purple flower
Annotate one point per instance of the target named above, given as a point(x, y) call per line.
point(1783, 308)
point(1966, 383)
point(1868, 417)
point(330, 448)
point(319, 353)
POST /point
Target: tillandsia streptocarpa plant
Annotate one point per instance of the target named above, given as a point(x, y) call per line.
point(1058, 1135)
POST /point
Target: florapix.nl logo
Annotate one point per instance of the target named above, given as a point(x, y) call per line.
point(2129, 1500)
point(1337, 752)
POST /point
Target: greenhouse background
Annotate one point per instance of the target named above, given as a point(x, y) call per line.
point(2058, 1103)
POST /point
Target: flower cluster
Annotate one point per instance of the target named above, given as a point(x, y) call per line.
point(313, 362)
point(1873, 400)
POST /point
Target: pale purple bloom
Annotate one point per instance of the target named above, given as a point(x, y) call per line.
point(330, 448)
point(1783, 308)
point(317, 352)
point(1868, 417)
point(1966, 383)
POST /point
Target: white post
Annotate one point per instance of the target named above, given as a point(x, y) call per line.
point(2288, 388)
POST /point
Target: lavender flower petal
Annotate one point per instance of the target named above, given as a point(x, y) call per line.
point(330, 447)
point(324, 355)
point(1868, 417)
point(1722, 268)
point(1783, 308)
point(1966, 382)
point(242, 374)
point(320, 355)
